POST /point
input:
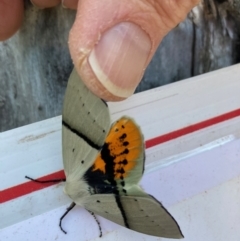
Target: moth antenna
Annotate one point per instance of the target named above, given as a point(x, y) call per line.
point(98, 223)
point(46, 181)
point(73, 204)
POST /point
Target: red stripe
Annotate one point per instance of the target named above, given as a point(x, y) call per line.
point(28, 187)
point(192, 128)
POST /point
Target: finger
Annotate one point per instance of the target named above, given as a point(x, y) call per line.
point(112, 42)
point(172, 12)
point(45, 3)
point(11, 17)
point(71, 4)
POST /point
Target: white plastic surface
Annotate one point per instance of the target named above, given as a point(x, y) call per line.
point(196, 175)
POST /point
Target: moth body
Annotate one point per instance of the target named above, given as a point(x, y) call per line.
point(77, 191)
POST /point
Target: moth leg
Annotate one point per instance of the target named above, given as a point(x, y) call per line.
point(98, 223)
point(67, 211)
point(46, 181)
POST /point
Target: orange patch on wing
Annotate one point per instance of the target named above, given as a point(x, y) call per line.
point(99, 164)
point(125, 143)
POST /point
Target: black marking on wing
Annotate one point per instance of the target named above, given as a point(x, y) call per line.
point(85, 138)
point(122, 137)
point(118, 201)
point(103, 182)
point(144, 158)
point(168, 214)
point(125, 143)
point(104, 102)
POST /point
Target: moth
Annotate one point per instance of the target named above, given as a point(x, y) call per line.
point(104, 163)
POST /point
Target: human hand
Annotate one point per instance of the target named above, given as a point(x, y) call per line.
point(111, 41)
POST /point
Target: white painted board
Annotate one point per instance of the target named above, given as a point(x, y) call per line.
point(192, 131)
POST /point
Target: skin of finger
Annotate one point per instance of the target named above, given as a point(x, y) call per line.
point(11, 17)
point(45, 3)
point(94, 17)
point(71, 4)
